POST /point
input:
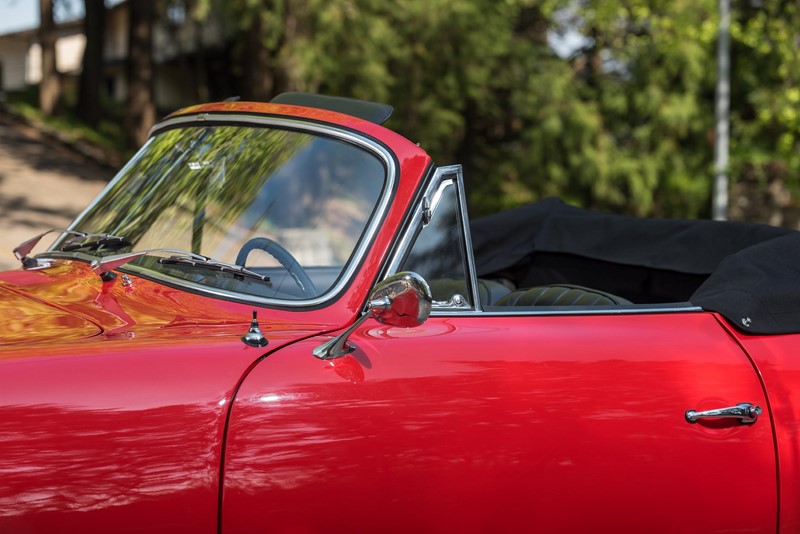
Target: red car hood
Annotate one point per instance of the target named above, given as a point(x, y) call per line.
point(25, 320)
point(114, 398)
point(68, 304)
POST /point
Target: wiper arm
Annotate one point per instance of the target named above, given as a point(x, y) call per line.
point(107, 240)
point(105, 266)
point(23, 249)
point(103, 240)
point(214, 265)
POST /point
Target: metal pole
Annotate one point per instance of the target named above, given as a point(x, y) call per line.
point(721, 110)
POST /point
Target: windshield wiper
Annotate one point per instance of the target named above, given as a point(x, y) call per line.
point(105, 266)
point(103, 240)
point(195, 260)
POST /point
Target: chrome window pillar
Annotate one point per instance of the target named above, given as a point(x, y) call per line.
point(442, 179)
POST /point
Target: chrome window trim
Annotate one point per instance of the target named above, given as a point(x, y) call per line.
point(576, 311)
point(405, 242)
point(434, 186)
point(471, 273)
point(433, 192)
point(329, 130)
point(443, 177)
point(436, 198)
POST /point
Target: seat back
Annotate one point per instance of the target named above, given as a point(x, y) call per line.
point(560, 295)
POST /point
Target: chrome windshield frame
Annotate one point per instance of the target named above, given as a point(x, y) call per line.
point(300, 125)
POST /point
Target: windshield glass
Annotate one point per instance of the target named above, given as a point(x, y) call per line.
point(289, 205)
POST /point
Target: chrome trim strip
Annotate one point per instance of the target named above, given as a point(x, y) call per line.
point(331, 130)
point(521, 312)
point(469, 251)
point(405, 242)
point(436, 198)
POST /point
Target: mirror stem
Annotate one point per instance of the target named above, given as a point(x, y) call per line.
point(338, 346)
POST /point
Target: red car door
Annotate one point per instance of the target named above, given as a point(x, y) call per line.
point(508, 420)
point(504, 423)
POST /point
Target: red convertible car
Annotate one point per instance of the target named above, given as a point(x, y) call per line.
point(279, 318)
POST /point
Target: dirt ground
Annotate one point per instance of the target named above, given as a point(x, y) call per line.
point(43, 185)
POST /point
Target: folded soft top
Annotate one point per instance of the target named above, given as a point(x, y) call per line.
point(746, 272)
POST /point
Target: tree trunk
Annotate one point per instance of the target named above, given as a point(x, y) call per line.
point(92, 72)
point(140, 108)
point(258, 72)
point(200, 70)
point(50, 85)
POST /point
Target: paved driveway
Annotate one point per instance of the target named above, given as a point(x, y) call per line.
point(42, 185)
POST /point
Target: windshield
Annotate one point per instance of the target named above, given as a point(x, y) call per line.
point(289, 205)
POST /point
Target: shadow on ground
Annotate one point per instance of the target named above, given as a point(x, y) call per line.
point(43, 185)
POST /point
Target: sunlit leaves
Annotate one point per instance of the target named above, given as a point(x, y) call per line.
point(618, 115)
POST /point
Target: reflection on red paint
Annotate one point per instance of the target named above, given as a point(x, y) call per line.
point(499, 425)
point(348, 368)
point(25, 321)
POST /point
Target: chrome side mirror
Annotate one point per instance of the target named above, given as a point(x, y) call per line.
point(402, 300)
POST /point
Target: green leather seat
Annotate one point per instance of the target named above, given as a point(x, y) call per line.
point(560, 295)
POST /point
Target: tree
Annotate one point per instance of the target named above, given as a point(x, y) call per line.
point(89, 102)
point(765, 122)
point(50, 84)
point(140, 108)
point(620, 118)
point(262, 30)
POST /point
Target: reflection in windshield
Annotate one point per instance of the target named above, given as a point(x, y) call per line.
point(211, 189)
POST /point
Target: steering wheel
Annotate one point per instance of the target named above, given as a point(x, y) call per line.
point(284, 257)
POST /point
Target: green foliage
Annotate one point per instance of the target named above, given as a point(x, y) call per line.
point(622, 119)
point(767, 63)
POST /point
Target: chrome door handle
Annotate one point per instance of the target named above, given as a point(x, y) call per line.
point(744, 411)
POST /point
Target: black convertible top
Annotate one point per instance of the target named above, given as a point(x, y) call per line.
point(746, 272)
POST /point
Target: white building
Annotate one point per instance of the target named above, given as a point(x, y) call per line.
point(21, 55)
point(176, 42)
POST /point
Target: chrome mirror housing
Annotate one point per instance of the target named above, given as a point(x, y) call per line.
point(403, 300)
